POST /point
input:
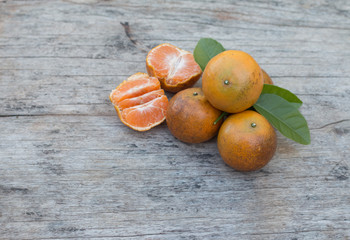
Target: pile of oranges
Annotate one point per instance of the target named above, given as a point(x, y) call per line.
point(232, 82)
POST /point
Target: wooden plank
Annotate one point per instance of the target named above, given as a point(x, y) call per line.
point(70, 169)
point(74, 181)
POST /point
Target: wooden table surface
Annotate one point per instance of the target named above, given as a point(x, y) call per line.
point(70, 169)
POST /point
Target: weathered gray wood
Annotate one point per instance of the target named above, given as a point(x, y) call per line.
point(70, 169)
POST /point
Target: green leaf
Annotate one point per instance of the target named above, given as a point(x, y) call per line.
point(222, 115)
point(283, 93)
point(284, 116)
point(206, 49)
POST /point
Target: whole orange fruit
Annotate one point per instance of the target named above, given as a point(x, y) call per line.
point(266, 77)
point(232, 81)
point(246, 141)
point(190, 117)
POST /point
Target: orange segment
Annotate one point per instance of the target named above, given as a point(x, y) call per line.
point(133, 87)
point(183, 70)
point(175, 68)
point(147, 115)
point(138, 76)
point(162, 58)
point(139, 102)
point(130, 102)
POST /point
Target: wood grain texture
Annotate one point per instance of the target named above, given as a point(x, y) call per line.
point(69, 169)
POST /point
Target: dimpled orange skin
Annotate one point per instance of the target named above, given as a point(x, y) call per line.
point(243, 147)
point(190, 117)
point(266, 77)
point(232, 81)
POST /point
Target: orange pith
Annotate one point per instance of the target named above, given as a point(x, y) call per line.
point(175, 68)
point(139, 102)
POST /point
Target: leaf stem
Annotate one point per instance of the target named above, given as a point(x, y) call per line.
point(223, 114)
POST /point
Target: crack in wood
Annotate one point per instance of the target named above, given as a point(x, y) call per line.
point(329, 124)
point(6, 189)
point(127, 31)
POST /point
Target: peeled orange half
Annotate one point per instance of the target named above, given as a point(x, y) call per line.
point(140, 102)
point(175, 68)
